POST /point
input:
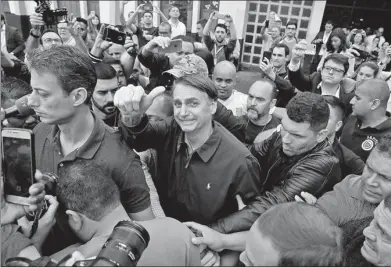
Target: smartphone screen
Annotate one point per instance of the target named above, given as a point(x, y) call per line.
point(175, 46)
point(18, 164)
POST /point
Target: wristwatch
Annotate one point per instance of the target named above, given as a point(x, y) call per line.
point(33, 35)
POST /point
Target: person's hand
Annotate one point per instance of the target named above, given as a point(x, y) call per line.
point(266, 67)
point(317, 41)
point(228, 18)
point(139, 8)
point(298, 51)
point(36, 21)
point(76, 256)
point(308, 198)
point(158, 41)
point(209, 237)
point(91, 15)
point(133, 101)
point(11, 211)
point(101, 44)
point(73, 26)
point(211, 258)
point(212, 15)
point(351, 53)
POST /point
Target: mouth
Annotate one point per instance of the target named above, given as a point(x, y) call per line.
point(110, 108)
point(367, 246)
point(186, 122)
point(370, 192)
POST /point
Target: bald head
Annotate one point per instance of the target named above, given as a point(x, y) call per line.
point(224, 77)
point(225, 66)
point(375, 89)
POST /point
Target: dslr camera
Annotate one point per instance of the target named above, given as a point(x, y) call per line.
point(124, 247)
point(51, 17)
point(111, 34)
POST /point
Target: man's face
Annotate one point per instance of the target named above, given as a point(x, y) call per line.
point(17, 121)
point(380, 32)
point(83, 29)
point(275, 32)
point(103, 96)
point(377, 245)
point(225, 81)
point(50, 39)
point(328, 28)
point(259, 100)
point(147, 18)
point(116, 51)
point(49, 100)
point(361, 102)
point(187, 48)
point(220, 34)
point(120, 73)
point(297, 137)
point(291, 30)
point(376, 177)
point(193, 110)
point(257, 247)
point(365, 73)
point(332, 72)
point(63, 30)
point(278, 57)
point(200, 29)
point(164, 31)
point(174, 12)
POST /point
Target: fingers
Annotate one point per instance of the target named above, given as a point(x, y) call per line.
point(310, 199)
point(298, 199)
point(163, 42)
point(154, 93)
point(209, 259)
point(36, 19)
point(76, 256)
point(197, 241)
point(101, 31)
point(51, 212)
point(128, 99)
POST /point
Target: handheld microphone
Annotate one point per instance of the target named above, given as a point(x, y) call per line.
point(20, 107)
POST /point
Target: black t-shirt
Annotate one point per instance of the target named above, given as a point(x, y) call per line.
point(252, 130)
point(141, 32)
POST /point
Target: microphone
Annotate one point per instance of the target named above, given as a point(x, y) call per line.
point(20, 107)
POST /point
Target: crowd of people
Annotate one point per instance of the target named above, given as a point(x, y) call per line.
point(293, 173)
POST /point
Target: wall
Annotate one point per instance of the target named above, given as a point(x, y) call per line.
point(316, 21)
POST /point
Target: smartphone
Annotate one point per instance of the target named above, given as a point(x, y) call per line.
point(112, 35)
point(218, 15)
point(18, 164)
point(267, 54)
point(175, 46)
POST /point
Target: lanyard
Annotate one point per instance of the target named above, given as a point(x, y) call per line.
point(216, 52)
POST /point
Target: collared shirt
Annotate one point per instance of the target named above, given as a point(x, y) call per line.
point(103, 147)
point(324, 93)
point(346, 203)
point(237, 103)
point(177, 29)
point(3, 40)
point(362, 141)
point(202, 186)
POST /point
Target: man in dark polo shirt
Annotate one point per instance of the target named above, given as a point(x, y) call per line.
point(369, 121)
point(63, 80)
point(203, 166)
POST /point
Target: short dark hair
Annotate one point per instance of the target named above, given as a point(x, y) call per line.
point(166, 24)
point(329, 22)
point(202, 22)
point(79, 19)
point(199, 82)
point(384, 145)
point(340, 59)
point(87, 188)
point(281, 45)
point(336, 104)
point(221, 25)
point(13, 88)
point(46, 31)
point(338, 32)
point(292, 22)
point(104, 71)
point(146, 12)
point(371, 65)
point(310, 237)
point(270, 82)
point(72, 67)
point(311, 108)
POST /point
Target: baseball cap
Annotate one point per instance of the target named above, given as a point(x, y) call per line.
point(189, 64)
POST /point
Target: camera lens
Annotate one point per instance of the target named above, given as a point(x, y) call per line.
point(125, 245)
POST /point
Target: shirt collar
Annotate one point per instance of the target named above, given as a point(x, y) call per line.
point(320, 87)
point(91, 146)
point(207, 150)
point(382, 126)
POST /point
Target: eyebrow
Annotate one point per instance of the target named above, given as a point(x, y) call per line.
point(187, 99)
point(39, 89)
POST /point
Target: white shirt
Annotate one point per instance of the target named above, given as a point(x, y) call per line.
point(179, 29)
point(237, 103)
point(324, 93)
point(3, 40)
point(325, 39)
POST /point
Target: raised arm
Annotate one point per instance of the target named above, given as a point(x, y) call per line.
point(32, 42)
point(157, 10)
point(122, 11)
point(130, 22)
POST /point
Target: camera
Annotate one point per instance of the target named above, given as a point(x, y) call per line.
point(51, 17)
point(364, 54)
point(115, 36)
point(124, 247)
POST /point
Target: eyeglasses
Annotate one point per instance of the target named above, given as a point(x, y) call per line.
point(49, 40)
point(291, 29)
point(328, 69)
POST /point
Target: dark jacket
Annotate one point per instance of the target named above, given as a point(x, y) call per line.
point(320, 35)
point(15, 42)
point(309, 83)
point(350, 163)
point(282, 177)
point(286, 91)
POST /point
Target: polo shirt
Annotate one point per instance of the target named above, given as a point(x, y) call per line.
point(105, 148)
point(170, 245)
point(362, 141)
point(237, 103)
point(200, 187)
point(252, 130)
point(346, 203)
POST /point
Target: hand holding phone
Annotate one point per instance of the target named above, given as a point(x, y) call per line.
point(174, 46)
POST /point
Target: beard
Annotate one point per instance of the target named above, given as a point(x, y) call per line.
point(108, 109)
point(254, 114)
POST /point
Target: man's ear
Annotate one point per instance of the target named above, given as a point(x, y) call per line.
point(375, 104)
point(79, 96)
point(338, 126)
point(213, 107)
point(322, 135)
point(74, 220)
point(273, 103)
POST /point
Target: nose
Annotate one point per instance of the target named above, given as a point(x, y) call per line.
point(285, 138)
point(223, 84)
point(371, 181)
point(110, 97)
point(183, 111)
point(32, 100)
point(253, 102)
point(353, 100)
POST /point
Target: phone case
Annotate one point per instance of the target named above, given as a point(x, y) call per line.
point(175, 46)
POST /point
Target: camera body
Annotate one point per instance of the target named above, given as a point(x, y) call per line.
point(51, 17)
point(364, 54)
point(115, 36)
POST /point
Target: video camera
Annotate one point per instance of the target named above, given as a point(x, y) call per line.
point(124, 247)
point(364, 55)
point(51, 17)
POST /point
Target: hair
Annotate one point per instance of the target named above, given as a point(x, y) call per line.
point(171, 7)
point(311, 108)
point(340, 59)
point(221, 25)
point(342, 36)
point(377, 89)
point(13, 88)
point(370, 65)
point(354, 36)
point(384, 145)
point(72, 67)
point(98, 26)
point(79, 19)
point(82, 176)
point(336, 104)
point(292, 22)
point(329, 22)
point(202, 22)
point(46, 31)
point(309, 236)
point(270, 82)
point(199, 82)
point(105, 71)
point(281, 45)
point(167, 25)
point(148, 12)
